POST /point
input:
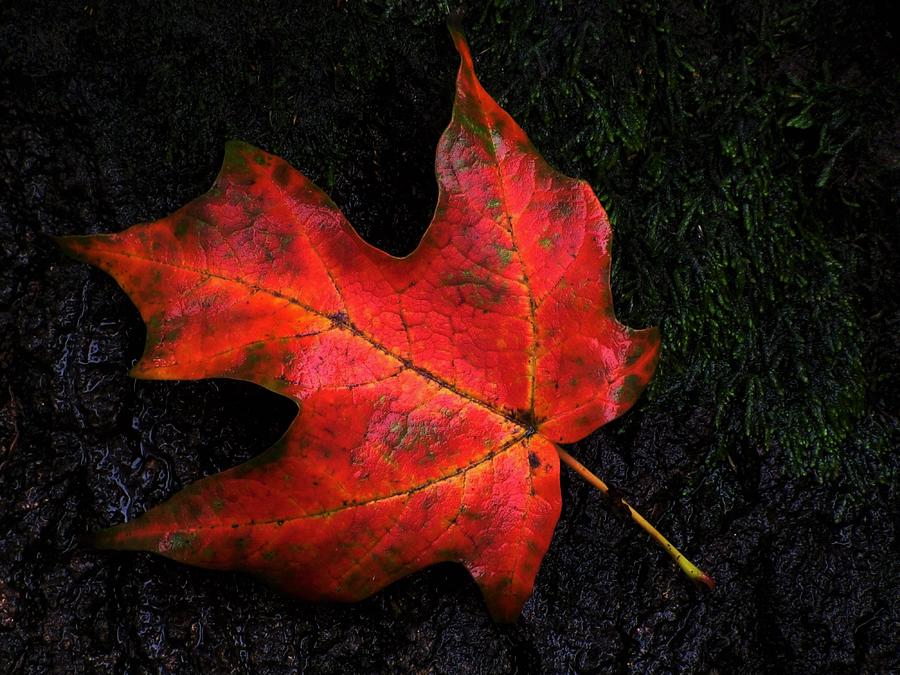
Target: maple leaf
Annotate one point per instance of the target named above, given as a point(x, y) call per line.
point(432, 389)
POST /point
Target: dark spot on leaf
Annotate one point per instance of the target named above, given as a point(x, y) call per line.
point(630, 389)
point(282, 174)
point(564, 208)
point(182, 227)
point(635, 354)
point(180, 541)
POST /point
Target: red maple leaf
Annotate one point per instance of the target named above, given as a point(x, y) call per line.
point(432, 389)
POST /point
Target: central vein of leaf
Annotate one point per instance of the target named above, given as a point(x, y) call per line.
point(511, 230)
point(326, 513)
point(344, 324)
point(532, 343)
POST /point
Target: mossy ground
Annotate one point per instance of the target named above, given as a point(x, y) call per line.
point(749, 156)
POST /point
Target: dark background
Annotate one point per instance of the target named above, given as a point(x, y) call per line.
point(748, 155)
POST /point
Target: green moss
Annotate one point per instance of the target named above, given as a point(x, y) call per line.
point(733, 151)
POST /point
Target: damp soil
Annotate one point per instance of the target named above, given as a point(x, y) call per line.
point(116, 113)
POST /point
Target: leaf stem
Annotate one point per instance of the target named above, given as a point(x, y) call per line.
point(690, 569)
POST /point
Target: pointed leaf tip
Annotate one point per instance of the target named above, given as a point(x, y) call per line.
point(462, 46)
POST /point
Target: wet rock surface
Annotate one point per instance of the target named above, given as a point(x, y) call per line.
point(117, 113)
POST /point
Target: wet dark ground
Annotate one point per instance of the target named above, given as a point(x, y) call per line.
point(117, 113)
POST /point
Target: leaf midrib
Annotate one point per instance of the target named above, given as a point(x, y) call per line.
point(532, 307)
point(327, 513)
point(344, 325)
